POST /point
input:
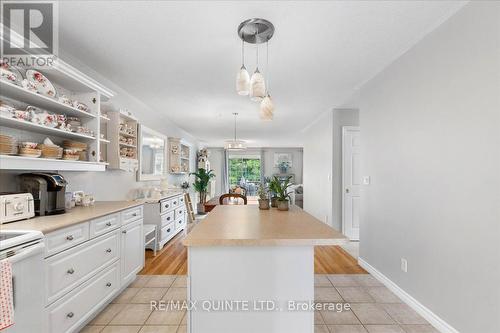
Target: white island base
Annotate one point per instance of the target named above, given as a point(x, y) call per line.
point(250, 273)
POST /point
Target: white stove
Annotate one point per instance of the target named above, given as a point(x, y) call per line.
point(25, 249)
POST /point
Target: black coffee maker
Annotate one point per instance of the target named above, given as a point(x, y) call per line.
point(48, 190)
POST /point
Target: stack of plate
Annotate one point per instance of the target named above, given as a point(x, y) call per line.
point(54, 152)
point(71, 154)
point(69, 144)
point(29, 152)
point(8, 145)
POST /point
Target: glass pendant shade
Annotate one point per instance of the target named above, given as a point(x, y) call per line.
point(267, 108)
point(257, 86)
point(235, 145)
point(243, 82)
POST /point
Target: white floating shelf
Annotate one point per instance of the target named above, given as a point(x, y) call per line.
point(126, 145)
point(18, 93)
point(127, 135)
point(8, 162)
point(104, 119)
point(29, 126)
point(104, 141)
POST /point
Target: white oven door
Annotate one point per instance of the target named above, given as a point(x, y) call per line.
point(29, 290)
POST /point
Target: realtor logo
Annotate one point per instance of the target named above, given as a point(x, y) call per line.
point(28, 28)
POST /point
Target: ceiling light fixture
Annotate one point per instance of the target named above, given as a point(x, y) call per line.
point(243, 78)
point(257, 31)
point(235, 144)
point(267, 106)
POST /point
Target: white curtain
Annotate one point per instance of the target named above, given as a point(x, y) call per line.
point(262, 163)
point(225, 172)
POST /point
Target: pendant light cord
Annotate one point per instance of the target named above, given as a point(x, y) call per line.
point(267, 67)
point(257, 48)
point(242, 53)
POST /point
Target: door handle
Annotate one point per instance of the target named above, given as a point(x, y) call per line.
point(346, 190)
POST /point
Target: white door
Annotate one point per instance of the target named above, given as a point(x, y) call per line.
point(132, 250)
point(351, 181)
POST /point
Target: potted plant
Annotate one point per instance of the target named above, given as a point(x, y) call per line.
point(200, 185)
point(283, 166)
point(273, 184)
point(283, 196)
point(263, 197)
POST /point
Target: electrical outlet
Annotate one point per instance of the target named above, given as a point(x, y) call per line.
point(366, 180)
point(404, 265)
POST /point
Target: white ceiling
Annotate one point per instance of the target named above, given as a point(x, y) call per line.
point(181, 58)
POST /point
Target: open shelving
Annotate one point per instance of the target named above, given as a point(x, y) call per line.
point(29, 126)
point(76, 86)
point(18, 93)
point(178, 159)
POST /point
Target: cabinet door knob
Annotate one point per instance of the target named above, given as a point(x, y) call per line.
point(180, 212)
point(108, 284)
point(108, 250)
point(70, 271)
point(168, 218)
point(134, 214)
point(70, 315)
point(70, 237)
point(108, 224)
point(168, 230)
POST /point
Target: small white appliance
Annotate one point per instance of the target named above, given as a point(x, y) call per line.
point(16, 206)
point(24, 249)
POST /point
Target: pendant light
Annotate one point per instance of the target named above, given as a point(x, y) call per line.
point(267, 106)
point(257, 83)
point(243, 78)
point(235, 144)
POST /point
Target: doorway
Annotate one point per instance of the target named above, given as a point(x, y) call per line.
point(351, 181)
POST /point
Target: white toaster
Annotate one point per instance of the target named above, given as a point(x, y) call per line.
point(16, 206)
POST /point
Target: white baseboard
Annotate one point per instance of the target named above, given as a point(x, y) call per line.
point(430, 316)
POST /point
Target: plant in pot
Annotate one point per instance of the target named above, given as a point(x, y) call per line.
point(200, 185)
point(274, 183)
point(263, 197)
point(283, 195)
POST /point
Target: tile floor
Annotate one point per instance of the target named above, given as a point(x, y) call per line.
point(374, 308)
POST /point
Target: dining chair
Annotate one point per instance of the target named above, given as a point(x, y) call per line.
point(225, 199)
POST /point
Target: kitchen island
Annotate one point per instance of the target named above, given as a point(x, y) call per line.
point(249, 270)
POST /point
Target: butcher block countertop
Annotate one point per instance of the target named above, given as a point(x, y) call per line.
point(79, 214)
point(246, 225)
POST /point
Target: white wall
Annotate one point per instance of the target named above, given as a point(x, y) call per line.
point(430, 129)
point(318, 163)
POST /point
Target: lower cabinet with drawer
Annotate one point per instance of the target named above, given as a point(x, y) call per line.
point(169, 214)
point(70, 312)
point(70, 268)
point(88, 264)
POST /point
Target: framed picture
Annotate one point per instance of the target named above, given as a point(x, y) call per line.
point(279, 158)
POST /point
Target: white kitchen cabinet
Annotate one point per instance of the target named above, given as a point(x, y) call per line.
point(70, 312)
point(132, 250)
point(122, 136)
point(169, 214)
point(89, 263)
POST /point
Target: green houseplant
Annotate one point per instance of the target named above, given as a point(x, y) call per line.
point(274, 183)
point(282, 193)
point(263, 197)
point(200, 185)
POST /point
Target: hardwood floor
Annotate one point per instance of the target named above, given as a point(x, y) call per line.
point(172, 259)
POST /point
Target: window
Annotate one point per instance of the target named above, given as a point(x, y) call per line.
point(244, 172)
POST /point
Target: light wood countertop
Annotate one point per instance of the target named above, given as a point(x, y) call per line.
point(79, 214)
point(230, 225)
point(166, 195)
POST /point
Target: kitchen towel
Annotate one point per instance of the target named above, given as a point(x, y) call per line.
point(6, 295)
